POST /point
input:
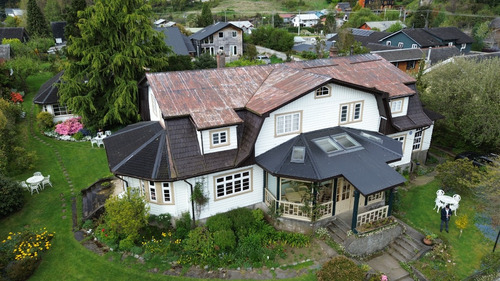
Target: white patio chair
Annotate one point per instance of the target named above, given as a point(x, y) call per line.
point(440, 192)
point(37, 174)
point(100, 142)
point(457, 197)
point(24, 185)
point(46, 180)
point(454, 208)
point(93, 141)
point(438, 205)
point(34, 187)
point(107, 133)
point(100, 134)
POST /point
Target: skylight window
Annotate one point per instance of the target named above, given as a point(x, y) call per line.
point(346, 141)
point(371, 137)
point(298, 154)
point(327, 145)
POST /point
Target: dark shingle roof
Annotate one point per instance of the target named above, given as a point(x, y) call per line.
point(422, 38)
point(398, 55)
point(441, 53)
point(58, 29)
point(415, 118)
point(211, 29)
point(14, 32)
point(450, 34)
point(365, 167)
point(47, 94)
point(176, 40)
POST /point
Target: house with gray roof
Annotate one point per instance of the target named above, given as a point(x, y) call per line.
point(14, 33)
point(221, 37)
point(404, 59)
point(178, 42)
point(328, 132)
point(48, 99)
point(429, 37)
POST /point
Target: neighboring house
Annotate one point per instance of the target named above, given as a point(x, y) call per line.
point(343, 7)
point(380, 25)
point(48, 98)
point(178, 42)
point(436, 55)
point(302, 47)
point(4, 53)
point(245, 25)
point(14, 33)
point(405, 59)
point(14, 12)
point(328, 132)
point(307, 20)
point(219, 37)
point(367, 38)
point(164, 23)
point(57, 28)
point(429, 37)
point(287, 18)
point(383, 3)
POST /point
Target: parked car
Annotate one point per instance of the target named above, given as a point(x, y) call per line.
point(264, 58)
point(478, 159)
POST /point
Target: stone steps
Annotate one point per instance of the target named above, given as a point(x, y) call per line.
point(338, 231)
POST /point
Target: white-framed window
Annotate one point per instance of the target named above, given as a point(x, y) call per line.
point(464, 45)
point(288, 123)
point(60, 110)
point(450, 44)
point(375, 196)
point(401, 139)
point(323, 92)
point(234, 50)
point(166, 190)
point(396, 105)
point(233, 184)
point(234, 34)
point(388, 43)
point(152, 191)
point(351, 112)
point(414, 46)
point(401, 44)
point(417, 140)
point(411, 65)
point(219, 138)
point(221, 34)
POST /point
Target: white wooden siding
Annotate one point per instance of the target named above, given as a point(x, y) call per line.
point(320, 114)
point(154, 108)
point(426, 140)
point(407, 148)
point(60, 118)
point(182, 195)
point(233, 140)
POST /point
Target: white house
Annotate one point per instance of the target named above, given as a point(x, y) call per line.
point(48, 98)
point(324, 132)
point(307, 20)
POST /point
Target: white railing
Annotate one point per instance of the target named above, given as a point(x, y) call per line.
point(325, 210)
point(373, 215)
point(269, 199)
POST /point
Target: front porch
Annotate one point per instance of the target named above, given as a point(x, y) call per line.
point(310, 202)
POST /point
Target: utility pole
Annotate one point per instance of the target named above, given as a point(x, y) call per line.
point(299, 24)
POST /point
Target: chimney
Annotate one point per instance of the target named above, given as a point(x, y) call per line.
point(221, 59)
point(429, 54)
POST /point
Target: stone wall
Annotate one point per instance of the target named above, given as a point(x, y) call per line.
point(367, 244)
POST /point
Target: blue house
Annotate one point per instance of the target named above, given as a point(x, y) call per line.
point(423, 38)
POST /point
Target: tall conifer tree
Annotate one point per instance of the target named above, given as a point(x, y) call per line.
point(117, 44)
point(37, 25)
point(71, 28)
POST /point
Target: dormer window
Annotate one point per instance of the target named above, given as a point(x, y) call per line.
point(219, 138)
point(396, 105)
point(323, 92)
point(401, 44)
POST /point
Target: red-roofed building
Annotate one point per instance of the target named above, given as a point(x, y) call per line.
point(274, 136)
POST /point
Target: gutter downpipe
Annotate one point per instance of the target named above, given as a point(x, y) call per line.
point(126, 182)
point(192, 202)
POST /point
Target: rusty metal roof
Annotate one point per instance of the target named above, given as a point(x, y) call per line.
point(211, 97)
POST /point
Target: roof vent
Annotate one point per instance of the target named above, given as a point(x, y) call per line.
point(298, 154)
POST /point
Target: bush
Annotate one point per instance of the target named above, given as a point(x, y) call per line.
point(340, 268)
point(119, 212)
point(44, 120)
point(106, 235)
point(127, 243)
point(243, 221)
point(10, 199)
point(224, 240)
point(78, 136)
point(200, 245)
point(23, 269)
point(183, 225)
point(219, 222)
point(69, 127)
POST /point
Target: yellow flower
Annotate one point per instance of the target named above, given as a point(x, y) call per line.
point(9, 238)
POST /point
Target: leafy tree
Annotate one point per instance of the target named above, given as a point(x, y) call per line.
point(422, 17)
point(37, 25)
point(244, 62)
point(12, 21)
point(460, 175)
point(178, 62)
point(52, 11)
point(360, 17)
point(117, 44)
point(467, 93)
point(273, 38)
point(438, 19)
point(395, 27)
point(346, 45)
point(480, 32)
point(249, 51)
point(278, 21)
point(22, 67)
point(330, 23)
point(71, 29)
point(206, 18)
point(10, 199)
point(319, 47)
point(205, 61)
point(488, 191)
point(127, 215)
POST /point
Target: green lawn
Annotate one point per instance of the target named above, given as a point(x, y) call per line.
point(466, 250)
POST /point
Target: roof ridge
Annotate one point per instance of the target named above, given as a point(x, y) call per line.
point(157, 163)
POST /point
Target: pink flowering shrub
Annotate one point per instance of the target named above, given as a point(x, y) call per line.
point(69, 127)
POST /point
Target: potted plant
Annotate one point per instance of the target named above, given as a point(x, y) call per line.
point(429, 239)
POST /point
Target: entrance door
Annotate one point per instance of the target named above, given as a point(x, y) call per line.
point(344, 196)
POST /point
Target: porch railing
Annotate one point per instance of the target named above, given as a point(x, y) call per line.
point(296, 210)
point(372, 215)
